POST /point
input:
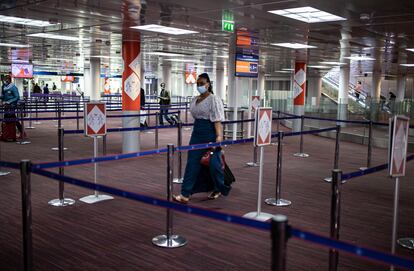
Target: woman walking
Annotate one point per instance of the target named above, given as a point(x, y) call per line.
point(208, 113)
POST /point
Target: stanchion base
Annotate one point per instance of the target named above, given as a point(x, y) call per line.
point(4, 173)
point(37, 122)
point(30, 127)
point(61, 202)
point(187, 129)
point(252, 164)
point(56, 149)
point(261, 217)
point(301, 154)
point(149, 132)
point(406, 242)
point(178, 180)
point(278, 203)
point(363, 168)
point(95, 198)
point(329, 180)
point(172, 242)
point(23, 142)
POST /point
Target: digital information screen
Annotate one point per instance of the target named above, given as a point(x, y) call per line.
point(22, 70)
point(247, 65)
point(247, 54)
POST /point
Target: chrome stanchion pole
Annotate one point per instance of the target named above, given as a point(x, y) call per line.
point(77, 115)
point(302, 128)
point(61, 201)
point(336, 156)
point(157, 116)
point(395, 218)
point(259, 215)
point(104, 145)
point(280, 237)
point(25, 166)
point(277, 126)
point(29, 114)
point(278, 201)
point(169, 240)
point(369, 151)
point(22, 140)
point(59, 127)
point(335, 216)
point(179, 179)
point(37, 111)
point(96, 197)
point(254, 163)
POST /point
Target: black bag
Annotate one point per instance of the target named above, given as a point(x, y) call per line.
point(228, 176)
point(173, 120)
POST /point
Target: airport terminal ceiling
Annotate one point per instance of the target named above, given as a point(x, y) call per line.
point(374, 28)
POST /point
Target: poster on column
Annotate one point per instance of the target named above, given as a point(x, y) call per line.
point(190, 73)
point(255, 103)
point(95, 119)
point(399, 126)
point(263, 126)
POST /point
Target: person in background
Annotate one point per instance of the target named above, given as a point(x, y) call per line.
point(54, 87)
point(358, 89)
point(165, 102)
point(37, 89)
point(10, 96)
point(46, 89)
point(143, 119)
point(208, 113)
point(79, 91)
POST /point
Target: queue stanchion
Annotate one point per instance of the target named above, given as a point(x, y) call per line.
point(280, 236)
point(157, 116)
point(156, 120)
point(59, 125)
point(22, 140)
point(336, 156)
point(254, 163)
point(335, 216)
point(277, 126)
point(169, 240)
point(29, 115)
point(77, 115)
point(179, 179)
point(25, 168)
point(104, 145)
point(96, 197)
point(36, 122)
point(369, 147)
point(2, 173)
point(278, 201)
point(186, 115)
point(302, 128)
point(61, 201)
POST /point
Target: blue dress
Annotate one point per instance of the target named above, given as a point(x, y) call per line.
point(198, 178)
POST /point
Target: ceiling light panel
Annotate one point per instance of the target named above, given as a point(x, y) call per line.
point(410, 49)
point(164, 54)
point(164, 29)
point(308, 15)
point(360, 58)
point(54, 36)
point(14, 45)
point(407, 65)
point(294, 45)
point(334, 63)
point(25, 21)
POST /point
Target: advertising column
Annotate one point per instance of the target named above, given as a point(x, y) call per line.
point(131, 84)
point(95, 79)
point(299, 88)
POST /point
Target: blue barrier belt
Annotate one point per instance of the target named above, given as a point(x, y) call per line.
point(113, 130)
point(306, 132)
point(9, 164)
point(98, 159)
point(157, 201)
point(348, 176)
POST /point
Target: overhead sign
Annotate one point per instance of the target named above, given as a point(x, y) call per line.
point(255, 103)
point(399, 127)
point(227, 21)
point(263, 126)
point(95, 119)
point(247, 54)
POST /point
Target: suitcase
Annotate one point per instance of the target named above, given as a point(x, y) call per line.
point(8, 131)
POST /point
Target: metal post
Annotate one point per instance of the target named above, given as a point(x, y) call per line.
point(25, 166)
point(77, 115)
point(369, 151)
point(280, 237)
point(336, 156)
point(278, 121)
point(395, 218)
point(37, 112)
point(335, 216)
point(179, 179)
point(61, 201)
point(302, 128)
point(169, 240)
point(259, 215)
point(22, 140)
point(278, 201)
point(242, 124)
point(59, 127)
point(157, 116)
point(104, 145)
point(254, 163)
point(2, 173)
point(29, 114)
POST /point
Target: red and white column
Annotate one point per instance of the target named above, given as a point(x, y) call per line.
point(131, 85)
point(299, 89)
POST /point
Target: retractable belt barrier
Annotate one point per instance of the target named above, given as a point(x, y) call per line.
point(277, 226)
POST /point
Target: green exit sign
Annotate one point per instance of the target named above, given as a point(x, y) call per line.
point(227, 21)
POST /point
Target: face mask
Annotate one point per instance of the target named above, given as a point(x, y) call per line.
point(201, 89)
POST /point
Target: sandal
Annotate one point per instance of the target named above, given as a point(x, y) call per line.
point(181, 199)
point(214, 195)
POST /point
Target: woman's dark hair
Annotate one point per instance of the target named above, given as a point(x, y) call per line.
point(205, 76)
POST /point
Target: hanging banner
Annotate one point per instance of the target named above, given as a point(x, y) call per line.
point(263, 126)
point(255, 103)
point(399, 126)
point(131, 80)
point(299, 83)
point(95, 119)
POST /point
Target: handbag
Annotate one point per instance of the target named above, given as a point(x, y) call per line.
point(205, 159)
point(228, 175)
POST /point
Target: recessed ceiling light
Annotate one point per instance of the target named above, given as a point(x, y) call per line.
point(288, 70)
point(359, 58)
point(164, 54)
point(294, 45)
point(109, 57)
point(410, 49)
point(14, 45)
point(334, 63)
point(319, 67)
point(407, 65)
point(307, 15)
point(25, 21)
point(164, 29)
point(179, 60)
point(54, 36)
point(223, 56)
point(283, 71)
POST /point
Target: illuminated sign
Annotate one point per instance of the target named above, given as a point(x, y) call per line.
point(227, 21)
